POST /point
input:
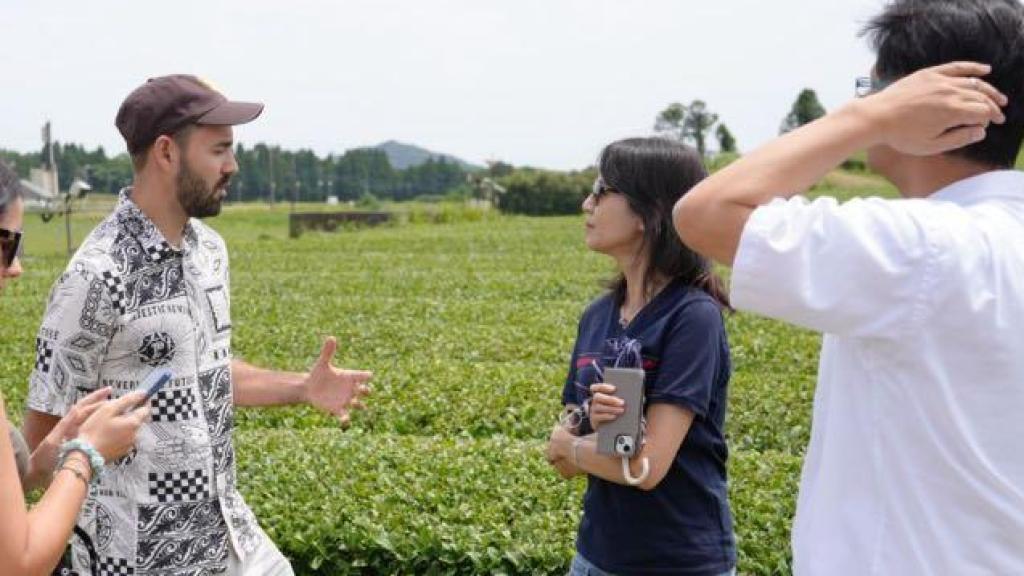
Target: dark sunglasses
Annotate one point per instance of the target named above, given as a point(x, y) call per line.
point(10, 246)
point(600, 189)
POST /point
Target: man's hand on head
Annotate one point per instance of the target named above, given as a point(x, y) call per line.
point(936, 109)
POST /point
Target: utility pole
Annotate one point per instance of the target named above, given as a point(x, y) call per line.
point(295, 188)
point(51, 161)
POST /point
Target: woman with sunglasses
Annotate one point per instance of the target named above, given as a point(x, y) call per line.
point(32, 542)
point(663, 313)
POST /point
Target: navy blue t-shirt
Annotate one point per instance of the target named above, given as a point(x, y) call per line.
point(684, 525)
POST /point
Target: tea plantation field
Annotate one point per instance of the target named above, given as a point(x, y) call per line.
point(468, 325)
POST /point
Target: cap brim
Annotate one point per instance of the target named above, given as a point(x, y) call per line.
point(231, 114)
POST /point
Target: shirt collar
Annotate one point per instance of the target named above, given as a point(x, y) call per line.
point(1005, 184)
point(134, 221)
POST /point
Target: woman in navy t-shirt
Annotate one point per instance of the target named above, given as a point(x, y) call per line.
point(663, 314)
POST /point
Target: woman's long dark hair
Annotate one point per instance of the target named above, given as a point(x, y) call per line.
point(653, 174)
point(10, 187)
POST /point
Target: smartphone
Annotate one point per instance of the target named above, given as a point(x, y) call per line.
point(621, 437)
point(154, 381)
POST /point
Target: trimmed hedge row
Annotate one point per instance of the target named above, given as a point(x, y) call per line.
point(355, 503)
point(446, 375)
point(468, 328)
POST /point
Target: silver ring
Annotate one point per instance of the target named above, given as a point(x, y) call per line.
point(974, 83)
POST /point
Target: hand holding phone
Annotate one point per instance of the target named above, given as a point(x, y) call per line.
point(621, 436)
point(154, 381)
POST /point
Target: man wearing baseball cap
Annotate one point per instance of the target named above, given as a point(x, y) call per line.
point(149, 290)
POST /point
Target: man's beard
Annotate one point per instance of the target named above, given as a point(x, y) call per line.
point(196, 198)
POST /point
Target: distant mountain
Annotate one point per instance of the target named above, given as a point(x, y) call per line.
point(402, 156)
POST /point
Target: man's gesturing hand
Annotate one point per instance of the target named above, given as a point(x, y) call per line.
point(335, 390)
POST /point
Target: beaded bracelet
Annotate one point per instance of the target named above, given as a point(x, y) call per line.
point(96, 461)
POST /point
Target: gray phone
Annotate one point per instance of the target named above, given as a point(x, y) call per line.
point(621, 437)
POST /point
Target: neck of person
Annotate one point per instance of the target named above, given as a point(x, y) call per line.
point(923, 176)
point(157, 201)
point(638, 294)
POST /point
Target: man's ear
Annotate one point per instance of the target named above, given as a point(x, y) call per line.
point(166, 154)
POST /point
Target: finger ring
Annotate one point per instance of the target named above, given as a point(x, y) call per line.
point(974, 83)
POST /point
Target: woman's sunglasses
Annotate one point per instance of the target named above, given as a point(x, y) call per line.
point(599, 190)
point(10, 246)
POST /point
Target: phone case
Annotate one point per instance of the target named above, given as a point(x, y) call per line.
point(155, 380)
point(624, 430)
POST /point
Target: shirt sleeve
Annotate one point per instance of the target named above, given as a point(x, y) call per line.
point(691, 359)
point(569, 388)
point(72, 340)
point(862, 268)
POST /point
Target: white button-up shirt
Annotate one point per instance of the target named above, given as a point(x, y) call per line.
point(916, 460)
point(129, 303)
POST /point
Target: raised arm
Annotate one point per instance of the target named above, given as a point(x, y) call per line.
point(929, 112)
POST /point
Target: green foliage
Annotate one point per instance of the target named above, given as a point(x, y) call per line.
point(805, 109)
point(689, 124)
point(544, 193)
point(726, 141)
point(762, 491)
point(368, 202)
point(721, 160)
point(75, 161)
point(856, 163)
point(270, 173)
point(357, 503)
point(468, 327)
point(497, 168)
point(670, 122)
point(698, 123)
point(303, 176)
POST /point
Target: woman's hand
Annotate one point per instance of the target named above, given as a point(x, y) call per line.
point(604, 407)
point(112, 427)
point(559, 451)
point(44, 458)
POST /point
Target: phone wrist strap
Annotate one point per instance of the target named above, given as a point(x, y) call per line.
point(645, 469)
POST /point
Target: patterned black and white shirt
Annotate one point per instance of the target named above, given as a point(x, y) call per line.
point(127, 303)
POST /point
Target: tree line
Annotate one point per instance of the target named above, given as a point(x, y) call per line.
point(539, 192)
point(693, 123)
point(267, 173)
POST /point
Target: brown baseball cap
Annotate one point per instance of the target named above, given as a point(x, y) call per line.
point(167, 104)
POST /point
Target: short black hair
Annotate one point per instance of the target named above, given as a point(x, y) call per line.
point(181, 137)
point(913, 34)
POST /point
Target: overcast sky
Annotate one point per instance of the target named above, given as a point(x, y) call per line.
point(532, 82)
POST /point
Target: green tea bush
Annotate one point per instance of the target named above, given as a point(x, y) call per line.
point(468, 327)
point(543, 193)
point(359, 503)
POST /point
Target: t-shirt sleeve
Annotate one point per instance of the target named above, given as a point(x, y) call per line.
point(691, 359)
point(74, 335)
point(569, 388)
point(862, 268)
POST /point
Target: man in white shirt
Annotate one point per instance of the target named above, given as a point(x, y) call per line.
point(915, 464)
